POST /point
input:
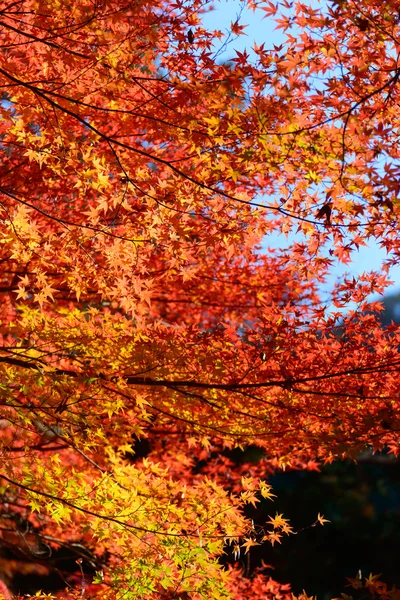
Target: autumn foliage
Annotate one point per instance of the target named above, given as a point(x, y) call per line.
point(140, 180)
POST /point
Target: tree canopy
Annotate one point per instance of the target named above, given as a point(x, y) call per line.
point(139, 182)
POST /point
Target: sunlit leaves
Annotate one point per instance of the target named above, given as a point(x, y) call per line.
point(139, 177)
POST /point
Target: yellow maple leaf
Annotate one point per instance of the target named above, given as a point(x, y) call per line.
point(278, 521)
point(248, 543)
point(321, 519)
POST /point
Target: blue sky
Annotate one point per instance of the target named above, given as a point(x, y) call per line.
point(263, 31)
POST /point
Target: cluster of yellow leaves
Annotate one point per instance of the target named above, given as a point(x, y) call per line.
point(156, 529)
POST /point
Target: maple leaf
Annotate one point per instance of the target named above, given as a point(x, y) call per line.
point(237, 29)
point(278, 521)
point(43, 294)
point(321, 519)
point(190, 36)
point(266, 491)
point(273, 537)
point(22, 293)
point(325, 211)
point(248, 543)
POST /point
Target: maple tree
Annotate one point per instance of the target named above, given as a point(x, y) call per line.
point(139, 178)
